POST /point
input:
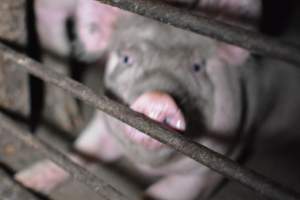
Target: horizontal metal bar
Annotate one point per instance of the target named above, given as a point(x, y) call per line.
point(104, 190)
point(198, 152)
point(184, 19)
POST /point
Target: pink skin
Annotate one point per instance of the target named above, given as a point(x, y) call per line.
point(43, 176)
point(159, 107)
point(93, 25)
point(51, 17)
point(95, 140)
point(94, 22)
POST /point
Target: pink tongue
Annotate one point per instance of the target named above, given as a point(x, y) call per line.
point(159, 107)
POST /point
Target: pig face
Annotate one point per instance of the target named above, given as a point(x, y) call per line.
point(180, 79)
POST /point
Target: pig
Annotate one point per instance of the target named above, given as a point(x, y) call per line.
point(187, 82)
point(209, 91)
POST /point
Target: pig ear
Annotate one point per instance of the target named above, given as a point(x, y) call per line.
point(243, 13)
point(232, 55)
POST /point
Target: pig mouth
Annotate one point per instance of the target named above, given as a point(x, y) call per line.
point(160, 107)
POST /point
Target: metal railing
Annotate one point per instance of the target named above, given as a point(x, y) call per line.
point(217, 162)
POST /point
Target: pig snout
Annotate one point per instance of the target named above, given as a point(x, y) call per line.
point(160, 107)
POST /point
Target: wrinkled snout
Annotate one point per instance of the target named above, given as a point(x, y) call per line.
point(160, 107)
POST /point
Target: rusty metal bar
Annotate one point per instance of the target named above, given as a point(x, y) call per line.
point(255, 42)
point(200, 153)
point(104, 190)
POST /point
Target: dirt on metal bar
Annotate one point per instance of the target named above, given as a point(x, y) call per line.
point(198, 152)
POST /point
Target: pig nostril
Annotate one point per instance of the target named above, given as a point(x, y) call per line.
point(166, 121)
point(177, 125)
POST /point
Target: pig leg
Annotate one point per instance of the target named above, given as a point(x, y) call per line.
point(42, 177)
point(184, 186)
point(96, 142)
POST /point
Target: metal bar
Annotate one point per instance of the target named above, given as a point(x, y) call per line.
point(200, 153)
point(104, 190)
point(180, 18)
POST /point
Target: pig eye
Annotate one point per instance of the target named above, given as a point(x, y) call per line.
point(126, 59)
point(198, 66)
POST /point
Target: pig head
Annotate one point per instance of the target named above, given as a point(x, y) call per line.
point(180, 79)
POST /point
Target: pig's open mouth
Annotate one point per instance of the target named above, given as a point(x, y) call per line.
point(160, 107)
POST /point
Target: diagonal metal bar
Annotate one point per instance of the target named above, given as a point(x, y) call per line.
point(104, 190)
point(200, 153)
point(255, 42)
